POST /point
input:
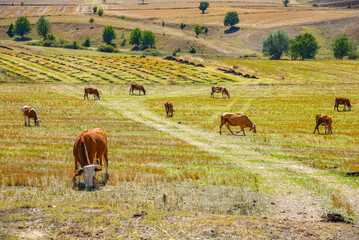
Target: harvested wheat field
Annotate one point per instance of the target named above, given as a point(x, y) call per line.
point(177, 177)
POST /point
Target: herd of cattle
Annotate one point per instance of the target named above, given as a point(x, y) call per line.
point(92, 144)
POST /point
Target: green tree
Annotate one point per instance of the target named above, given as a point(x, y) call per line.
point(303, 46)
point(92, 21)
point(148, 39)
point(87, 42)
point(22, 26)
point(285, 3)
point(108, 34)
point(353, 47)
point(136, 37)
point(100, 12)
point(231, 19)
point(341, 46)
point(182, 26)
point(203, 6)
point(11, 31)
point(275, 44)
point(198, 29)
point(94, 10)
point(43, 27)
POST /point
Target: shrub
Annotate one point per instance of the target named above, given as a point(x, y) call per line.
point(231, 19)
point(43, 27)
point(100, 12)
point(176, 50)
point(192, 50)
point(303, 46)
point(51, 37)
point(22, 26)
point(205, 29)
point(315, 5)
point(48, 43)
point(122, 17)
point(11, 31)
point(342, 47)
point(107, 48)
point(163, 23)
point(285, 3)
point(87, 42)
point(136, 37)
point(108, 34)
point(148, 39)
point(198, 29)
point(182, 26)
point(275, 44)
point(22, 3)
point(92, 20)
point(73, 45)
point(94, 9)
point(151, 52)
point(203, 6)
point(353, 50)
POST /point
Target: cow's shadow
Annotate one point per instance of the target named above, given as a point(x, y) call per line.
point(99, 182)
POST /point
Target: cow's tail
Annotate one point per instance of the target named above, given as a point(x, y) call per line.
point(84, 152)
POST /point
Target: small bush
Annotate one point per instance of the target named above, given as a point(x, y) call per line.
point(176, 50)
point(100, 12)
point(182, 26)
point(163, 23)
point(94, 9)
point(192, 50)
point(22, 3)
point(122, 17)
point(107, 48)
point(152, 52)
point(73, 45)
point(48, 43)
point(51, 37)
point(87, 42)
point(315, 5)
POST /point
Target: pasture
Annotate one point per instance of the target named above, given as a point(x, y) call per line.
point(275, 183)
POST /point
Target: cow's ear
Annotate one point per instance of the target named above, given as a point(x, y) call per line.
point(97, 169)
point(79, 172)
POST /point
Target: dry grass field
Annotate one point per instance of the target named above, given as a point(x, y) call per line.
point(177, 177)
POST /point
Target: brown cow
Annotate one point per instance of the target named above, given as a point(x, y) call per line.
point(343, 101)
point(218, 89)
point(139, 87)
point(325, 120)
point(30, 112)
point(236, 119)
point(89, 145)
point(169, 108)
point(91, 90)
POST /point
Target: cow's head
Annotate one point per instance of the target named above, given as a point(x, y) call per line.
point(88, 173)
point(253, 128)
point(144, 91)
point(37, 122)
point(229, 95)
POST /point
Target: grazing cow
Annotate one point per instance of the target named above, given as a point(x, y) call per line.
point(325, 120)
point(30, 112)
point(89, 145)
point(223, 90)
point(139, 87)
point(169, 108)
point(236, 119)
point(91, 90)
point(343, 101)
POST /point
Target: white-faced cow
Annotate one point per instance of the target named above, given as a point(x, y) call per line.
point(91, 90)
point(236, 119)
point(30, 112)
point(326, 121)
point(89, 145)
point(342, 101)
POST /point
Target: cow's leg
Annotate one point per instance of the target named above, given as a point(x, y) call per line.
point(220, 129)
point(344, 109)
point(28, 121)
point(316, 128)
point(230, 129)
point(25, 121)
point(242, 129)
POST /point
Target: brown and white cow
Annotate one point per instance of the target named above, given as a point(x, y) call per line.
point(324, 120)
point(342, 101)
point(139, 87)
point(30, 112)
point(236, 119)
point(169, 109)
point(89, 145)
point(218, 89)
point(91, 90)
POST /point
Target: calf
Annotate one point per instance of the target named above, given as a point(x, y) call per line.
point(30, 112)
point(91, 90)
point(236, 119)
point(169, 108)
point(223, 90)
point(89, 145)
point(325, 120)
point(342, 101)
